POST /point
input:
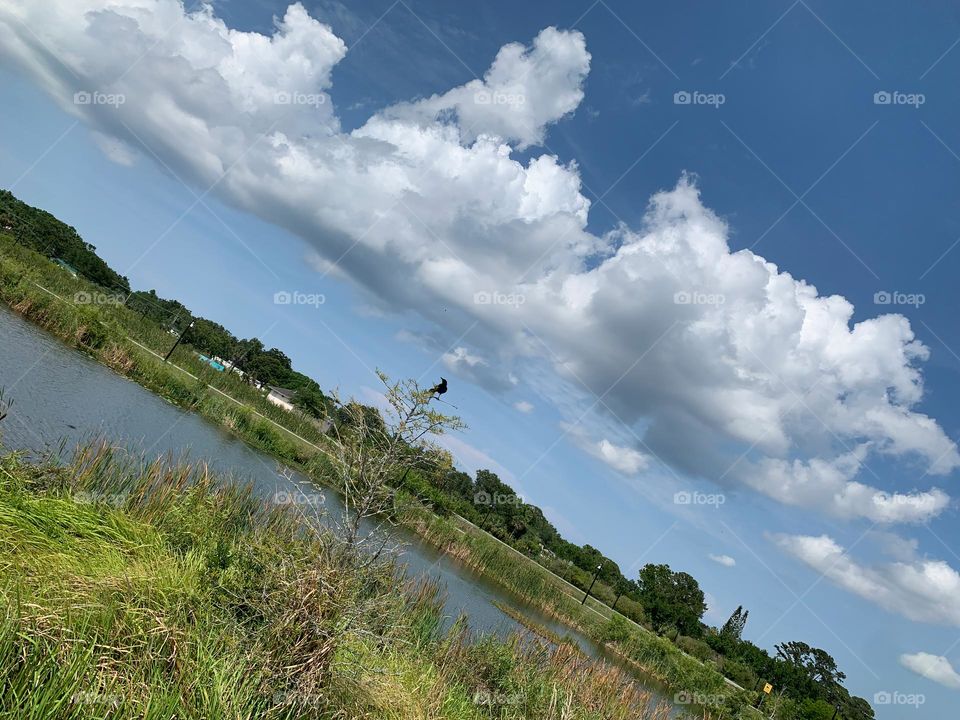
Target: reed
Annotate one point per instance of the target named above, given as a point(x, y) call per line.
point(161, 590)
point(649, 653)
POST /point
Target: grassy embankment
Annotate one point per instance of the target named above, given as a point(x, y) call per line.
point(109, 333)
point(159, 592)
point(654, 655)
point(104, 329)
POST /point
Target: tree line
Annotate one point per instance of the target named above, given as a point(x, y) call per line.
point(41, 231)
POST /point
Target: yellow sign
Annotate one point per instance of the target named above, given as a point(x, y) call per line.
point(767, 688)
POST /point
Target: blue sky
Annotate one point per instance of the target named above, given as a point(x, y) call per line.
point(794, 160)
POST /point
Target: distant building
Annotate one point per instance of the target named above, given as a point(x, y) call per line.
point(213, 362)
point(229, 366)
point(66, 266)
point(281, 397)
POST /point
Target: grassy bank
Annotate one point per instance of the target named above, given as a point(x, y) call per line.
point(160, 592)
point(98, 324)
point(651, 654)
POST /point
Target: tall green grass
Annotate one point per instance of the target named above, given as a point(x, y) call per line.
point(131, 590)
point(648, 652)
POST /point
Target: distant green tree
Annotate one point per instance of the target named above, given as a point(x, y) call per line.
point(244, 350)
point(170, 314)
point(272, 367)
point(672, 598)
point(349, 414)
point(312, 401)
point(818, 664)
point(41, 231)
point(858, 709)
point(814, 709)
point(458, 484)
point(733, 627)
point(212, 339)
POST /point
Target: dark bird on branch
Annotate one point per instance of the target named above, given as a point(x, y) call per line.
point(440, 388)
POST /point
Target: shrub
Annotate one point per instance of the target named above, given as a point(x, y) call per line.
point(698, 648)
point(739, 672)
point(615, 630)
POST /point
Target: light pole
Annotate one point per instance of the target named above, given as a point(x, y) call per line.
point(595, 575)
point(620, 589)
point(177, 342)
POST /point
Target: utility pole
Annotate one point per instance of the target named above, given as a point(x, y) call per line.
point(485, 523)
point(595, 575)
point(177, 342)
point(619, 595)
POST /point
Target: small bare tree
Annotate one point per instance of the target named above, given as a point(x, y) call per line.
point(372, 450)
point(323, 606)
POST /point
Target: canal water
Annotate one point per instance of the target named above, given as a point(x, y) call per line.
point(62, 398)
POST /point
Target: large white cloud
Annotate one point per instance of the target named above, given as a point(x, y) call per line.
point(705, 354)
point(932, 667)
point(918, 588)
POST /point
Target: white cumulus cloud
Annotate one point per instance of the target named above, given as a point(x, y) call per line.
point(932, 667)
point(702, 351)
point(918, 589)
